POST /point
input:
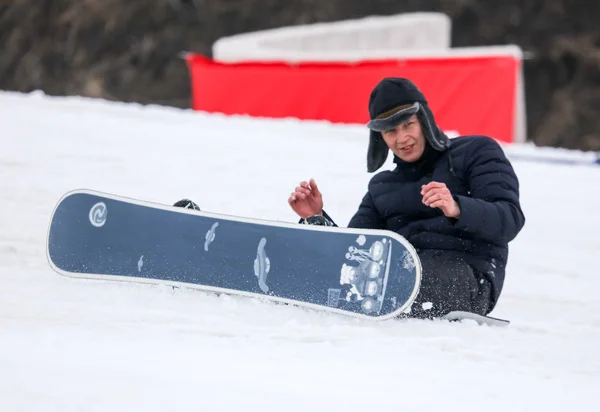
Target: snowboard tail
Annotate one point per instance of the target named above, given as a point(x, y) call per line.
point(458, 315)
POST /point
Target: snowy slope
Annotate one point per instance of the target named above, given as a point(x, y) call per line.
point(83, 345)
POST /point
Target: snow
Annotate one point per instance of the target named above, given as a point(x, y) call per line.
point(88, 345)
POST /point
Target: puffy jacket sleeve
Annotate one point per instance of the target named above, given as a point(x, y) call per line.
point(366, 217)
point(492, 212)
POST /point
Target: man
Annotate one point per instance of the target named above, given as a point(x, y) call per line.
point(456, 202)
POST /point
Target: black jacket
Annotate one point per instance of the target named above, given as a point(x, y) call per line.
point(483, 183)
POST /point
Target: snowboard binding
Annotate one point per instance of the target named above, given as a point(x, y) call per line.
point(187, 204)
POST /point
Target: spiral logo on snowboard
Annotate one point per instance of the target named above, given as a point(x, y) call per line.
point(98, 214)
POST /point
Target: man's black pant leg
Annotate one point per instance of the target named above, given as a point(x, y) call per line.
point(448, 283)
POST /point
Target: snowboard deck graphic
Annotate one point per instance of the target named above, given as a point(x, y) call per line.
point(371, 274)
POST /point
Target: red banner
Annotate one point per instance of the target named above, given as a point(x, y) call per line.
point(468, 95)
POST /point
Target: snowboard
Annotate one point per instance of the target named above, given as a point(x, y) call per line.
point(459, 315)
point(364, 273)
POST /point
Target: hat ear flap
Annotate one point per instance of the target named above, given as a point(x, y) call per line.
point(434, 135)
point(377, 152)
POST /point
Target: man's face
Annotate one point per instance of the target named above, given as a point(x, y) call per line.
point(406, 140)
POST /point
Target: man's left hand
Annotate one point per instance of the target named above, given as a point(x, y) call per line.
point(436, 194)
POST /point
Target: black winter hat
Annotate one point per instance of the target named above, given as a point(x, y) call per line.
point(392, 92)
point(389, 94)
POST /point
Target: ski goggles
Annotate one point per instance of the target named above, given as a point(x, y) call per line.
point(390, 122)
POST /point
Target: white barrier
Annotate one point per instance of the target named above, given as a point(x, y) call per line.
point(411, 35)
point(349, 40)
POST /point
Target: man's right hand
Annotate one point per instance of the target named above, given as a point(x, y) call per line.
point(307, 200)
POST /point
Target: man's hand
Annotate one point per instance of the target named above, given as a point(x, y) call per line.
point(437, 195)
point(307, 200)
